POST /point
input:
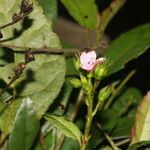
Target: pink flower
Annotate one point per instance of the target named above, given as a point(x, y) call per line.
point(88, 60)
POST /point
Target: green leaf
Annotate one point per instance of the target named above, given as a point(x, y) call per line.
point(127, 98)
point(43, 78)
point(7, 114)
point(145, 145)
point(49, 9)
point(70, 144)
point(34, 31)
point(68, 128)
point(123, 127)
point(25, 127)
point(85, 13)
point(41, 81)
point(142, 127)
point(128, 46)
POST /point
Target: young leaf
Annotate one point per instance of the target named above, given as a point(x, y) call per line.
point(141, 130)
point(68, 128)
point(84, 12)
point(128, 46)
point(25, 127)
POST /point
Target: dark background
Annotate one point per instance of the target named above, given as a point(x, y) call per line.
point(133, 13)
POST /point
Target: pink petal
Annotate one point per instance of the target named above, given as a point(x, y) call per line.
point(92, 54)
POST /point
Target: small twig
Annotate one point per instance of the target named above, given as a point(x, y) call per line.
point(3, 137)
point(52, 50)
point(42, 141)
point(18, 71)
point(111, 142)
point(25, 10)
point(109, 101)
point(98, 106)
point(8, 85)
point(123, 142)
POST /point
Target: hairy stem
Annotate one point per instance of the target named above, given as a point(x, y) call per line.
point(89, 119)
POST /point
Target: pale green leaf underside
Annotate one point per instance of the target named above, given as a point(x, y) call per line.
point(128, 46)
point(25, 127)
point(142, 124)
point(42, 78)
point(68, 128)
point(37, 35)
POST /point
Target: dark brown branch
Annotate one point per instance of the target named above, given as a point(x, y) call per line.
point(18, 70)
point(56, 51)
point(42, 141)
point(25, 10)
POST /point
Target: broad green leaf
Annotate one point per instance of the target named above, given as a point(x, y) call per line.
point(34, 31)
point(84, 12)
point(49, 141)
point(127, 98)
point(128, 46)
point(123, 127)
point(41, 81)
point(7, 114)
point(68, 128)
point(49, 9)
point(141, 129)
point(145, 145)
point(25, 127)
point(70, 144)
point(42, 78)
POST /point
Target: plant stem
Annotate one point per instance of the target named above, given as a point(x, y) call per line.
point(99, 104)
point(72, 117)
point(110, 100)
point(123, 142)
point(89, 119)
point(111, 142)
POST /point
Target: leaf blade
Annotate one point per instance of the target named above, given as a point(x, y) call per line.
point(85, 13)
point(25, 127)
point(142, 128)
point(128, 46)
point(65, 126)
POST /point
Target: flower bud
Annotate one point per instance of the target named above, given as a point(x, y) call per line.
point(100, 71)
point(84, 80)
point(104, 93)
point(75, 82)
